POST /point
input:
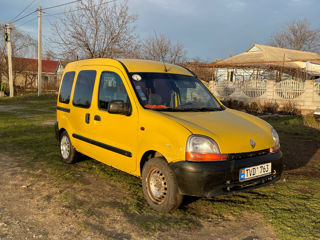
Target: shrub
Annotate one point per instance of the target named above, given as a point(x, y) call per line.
point(241, 105)
point(290, 108)
point(234, 104)
point(270, 107)
point(254, 107)
point(5, 88)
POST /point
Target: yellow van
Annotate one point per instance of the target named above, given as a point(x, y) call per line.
point(159, 122)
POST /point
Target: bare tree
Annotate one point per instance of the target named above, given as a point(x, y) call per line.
point(23, 45)
point(160, 48)
point(50, 55)
point(297, 35)
point(95, 29)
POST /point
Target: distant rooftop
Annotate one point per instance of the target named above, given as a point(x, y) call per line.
point(31, 64)
point(259, 54)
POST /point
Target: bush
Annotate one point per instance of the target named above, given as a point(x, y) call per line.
point(228, 103)
point(290, 108)
point(254, 107)
point(5, 89)
point(270, 107)
point(241, 105)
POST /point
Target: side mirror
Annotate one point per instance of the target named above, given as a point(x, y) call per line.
point(119, 107)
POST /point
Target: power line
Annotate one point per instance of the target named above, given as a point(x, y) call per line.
point(23, 10)
point(48, 15)
point(60, 5)
point(54, 14)
point(27, 15)
point(27, 21)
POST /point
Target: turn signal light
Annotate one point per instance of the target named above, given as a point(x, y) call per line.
point(192, 156)
point(274, 149)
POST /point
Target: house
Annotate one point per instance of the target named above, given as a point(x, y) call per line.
point(261, 62)
point(270, 76)
point(25, 72)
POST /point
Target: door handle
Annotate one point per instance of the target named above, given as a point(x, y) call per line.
point(97, 118)
point(87, 117)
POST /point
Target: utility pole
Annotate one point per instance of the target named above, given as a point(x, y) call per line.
point(8, 40)
point(39, 51)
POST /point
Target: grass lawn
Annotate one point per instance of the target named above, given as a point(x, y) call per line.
point(291, 206)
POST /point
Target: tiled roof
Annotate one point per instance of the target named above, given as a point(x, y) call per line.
point(31, 65)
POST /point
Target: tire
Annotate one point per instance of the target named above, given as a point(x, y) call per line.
point(67, 151)
point(160, 186)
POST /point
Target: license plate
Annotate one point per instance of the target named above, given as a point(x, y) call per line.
point(255, 171)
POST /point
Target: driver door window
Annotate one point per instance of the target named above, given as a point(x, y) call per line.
point(111, 88)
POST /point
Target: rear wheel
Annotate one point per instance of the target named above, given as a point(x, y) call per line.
point(159, 185)
point(67, 151)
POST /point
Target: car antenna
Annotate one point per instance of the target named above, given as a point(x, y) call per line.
point(161, 56)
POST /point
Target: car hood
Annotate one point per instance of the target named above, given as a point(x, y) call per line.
point(232, 130)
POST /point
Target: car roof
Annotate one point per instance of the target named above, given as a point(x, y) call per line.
point(132, 65)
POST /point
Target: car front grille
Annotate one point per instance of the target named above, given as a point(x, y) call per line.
point(238, 156)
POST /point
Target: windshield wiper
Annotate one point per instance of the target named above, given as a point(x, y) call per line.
point(169, 109)
point(203, 109)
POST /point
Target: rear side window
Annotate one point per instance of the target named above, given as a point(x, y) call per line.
point(111, 88)
point(84, 87)
point(66, 87)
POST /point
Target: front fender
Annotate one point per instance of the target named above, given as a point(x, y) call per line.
point(163, 135)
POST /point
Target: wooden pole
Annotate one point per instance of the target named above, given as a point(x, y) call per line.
point(39, 51)
point(8, 39)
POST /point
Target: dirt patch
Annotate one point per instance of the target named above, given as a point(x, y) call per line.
point(48, 122)
point(34, 205)
point(8, 108)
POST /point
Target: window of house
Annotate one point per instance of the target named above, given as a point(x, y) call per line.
point(66, 87)
point(111, 88)
point(231, 76)
point(84, 87)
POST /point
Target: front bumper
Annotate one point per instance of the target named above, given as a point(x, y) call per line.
point(221, 177)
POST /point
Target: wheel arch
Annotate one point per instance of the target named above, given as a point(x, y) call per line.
point(61, 130)
point(147, 156)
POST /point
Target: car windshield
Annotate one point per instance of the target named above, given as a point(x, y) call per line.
point(173, 92)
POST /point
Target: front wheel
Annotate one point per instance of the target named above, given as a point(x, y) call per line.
point(160, 186)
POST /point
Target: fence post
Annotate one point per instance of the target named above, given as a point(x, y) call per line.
point(308, 103)
point(270, 90)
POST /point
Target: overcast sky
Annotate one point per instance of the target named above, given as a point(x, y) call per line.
point(208, 29)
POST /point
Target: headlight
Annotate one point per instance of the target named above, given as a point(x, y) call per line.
point(276, 141)
point(201, 148)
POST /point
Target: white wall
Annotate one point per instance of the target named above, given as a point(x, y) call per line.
point(304, 95)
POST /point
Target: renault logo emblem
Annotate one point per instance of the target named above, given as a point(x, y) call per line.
point(252, 143)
